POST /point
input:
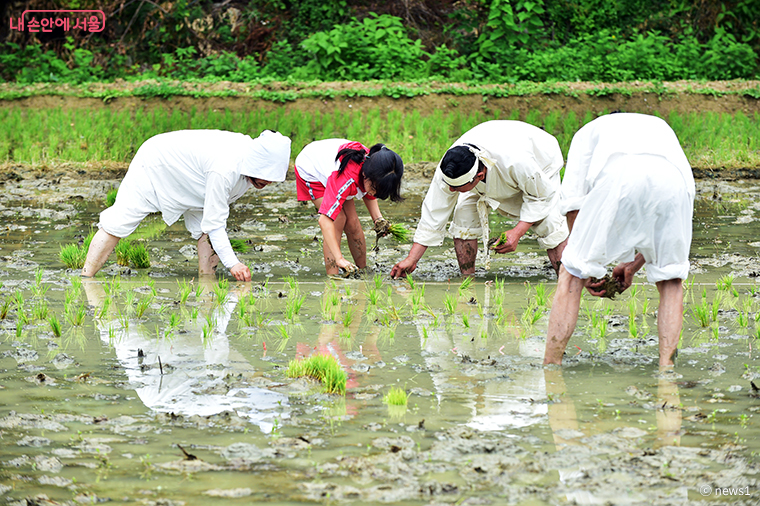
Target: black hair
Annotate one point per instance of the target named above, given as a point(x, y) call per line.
point(383, 167)
point(458, 161)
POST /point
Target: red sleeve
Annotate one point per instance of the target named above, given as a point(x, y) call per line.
point(341, 186)
point(338, 189)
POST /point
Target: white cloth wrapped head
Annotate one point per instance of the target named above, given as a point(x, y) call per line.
point(268, 157)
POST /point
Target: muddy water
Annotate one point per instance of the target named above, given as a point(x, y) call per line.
point(158, 400)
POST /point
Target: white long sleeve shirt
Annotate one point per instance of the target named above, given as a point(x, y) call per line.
point(205, 170)
point(522, 178)
point(597, 143)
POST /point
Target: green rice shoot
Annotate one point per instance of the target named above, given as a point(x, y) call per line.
point(396, 396)
point(324, 368)
point(240, 245)
point(111, 196)
point(400, 232)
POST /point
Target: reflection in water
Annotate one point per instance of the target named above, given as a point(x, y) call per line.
point(187, 374)
point(568, 437)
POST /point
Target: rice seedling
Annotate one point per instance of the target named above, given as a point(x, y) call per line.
point(531, 314)
point(123, 247)
point(378, 279)
point(72, 256)
point(599, 325)
point(450, 303)
point(742, 319)
point(55, 325)
point(221, 291)
point(139, 257)
point(103, 312)
point(174, 322)
point(199, 291)
point(244, 303)
point(21, 321)
point(113, 286)
point(38, 276)
point(400, 232)
point(142, 305)
point(40, 310)
point(291, 282)
point(715, 332)
point(18, 299)
point(76, 316)
point(410, 280)
point(715, 307)
point(348, 318)
point(633, 328)
point(111, 196)
point(465, 286)
point(324, 368)
point(76, 285)
point(194, 313)
point(183, 291)
point(293, 305)
point(4, 308)
point(725, 283)
point(240, 245)
point(701, 312)
point(466, 320)
point(396, 396)
point(123, 319)
point(373, 296)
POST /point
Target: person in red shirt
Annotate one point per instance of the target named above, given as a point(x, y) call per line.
point(376, 172)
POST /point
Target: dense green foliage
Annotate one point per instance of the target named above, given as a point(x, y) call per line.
point(50, 136)
point(467, 40)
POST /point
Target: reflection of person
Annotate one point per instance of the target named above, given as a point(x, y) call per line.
point(376, 172)
point(314, 166)
point(628, 187)
point(186, 373)
point(195, 174)
point(509, 166)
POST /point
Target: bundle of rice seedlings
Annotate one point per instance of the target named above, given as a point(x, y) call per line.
point(400, 232)
point(132, 254)
point(139, 256)
point(73, 256)
point(240, 245)
point(324, 368)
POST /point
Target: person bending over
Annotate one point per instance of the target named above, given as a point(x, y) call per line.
point(508, 166)
point(628, 194)
point(195, 174)
point(376, 173)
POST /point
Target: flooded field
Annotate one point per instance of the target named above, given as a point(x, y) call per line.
point(156, 387)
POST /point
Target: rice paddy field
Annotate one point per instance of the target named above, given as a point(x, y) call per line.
point(151, 385)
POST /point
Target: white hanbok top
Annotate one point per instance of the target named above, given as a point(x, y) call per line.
point(316, 161)
point(599, 142)
point(523, 164)
point(204, 171)
point(630, 181)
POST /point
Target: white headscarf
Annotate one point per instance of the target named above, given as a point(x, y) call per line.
point(268, 157)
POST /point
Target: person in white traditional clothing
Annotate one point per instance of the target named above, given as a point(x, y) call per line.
point(196, 174)
point(628, 194)
point(508, 166)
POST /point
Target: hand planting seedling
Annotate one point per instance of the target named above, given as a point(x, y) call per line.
point(609, 284)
